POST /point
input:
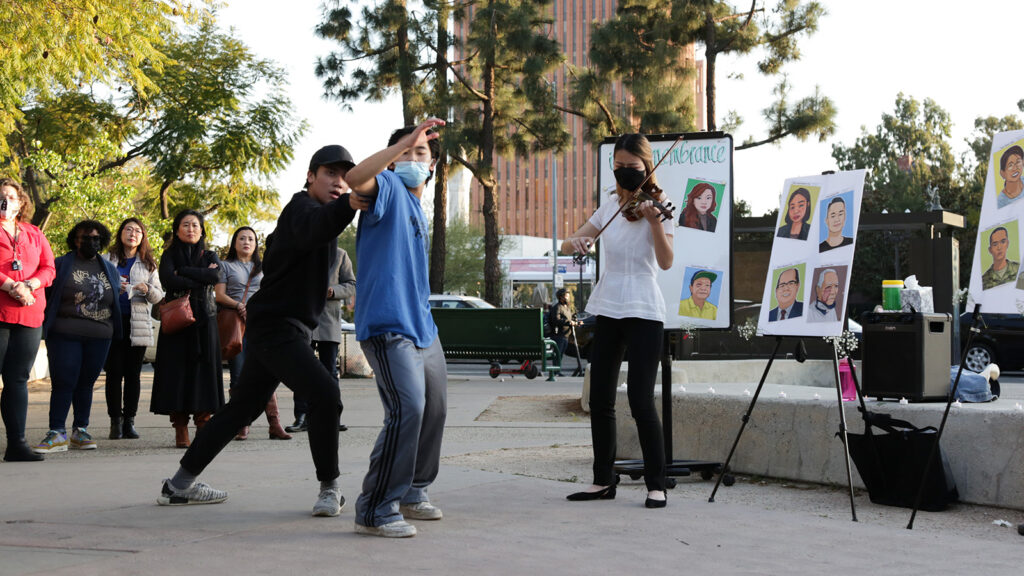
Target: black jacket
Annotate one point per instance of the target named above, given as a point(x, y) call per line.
point(296, 262)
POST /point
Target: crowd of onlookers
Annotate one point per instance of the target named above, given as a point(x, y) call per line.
point(94, 307)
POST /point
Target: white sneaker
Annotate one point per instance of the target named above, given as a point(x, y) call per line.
point(198, 493)
point(421, 511)
point(396, 529)
point(329, 503)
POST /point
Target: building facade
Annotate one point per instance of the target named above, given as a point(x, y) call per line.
point(530, 189)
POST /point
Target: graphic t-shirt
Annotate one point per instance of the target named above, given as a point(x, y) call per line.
point(86, 302)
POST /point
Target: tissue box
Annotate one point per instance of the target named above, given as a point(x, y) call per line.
point(920, 299)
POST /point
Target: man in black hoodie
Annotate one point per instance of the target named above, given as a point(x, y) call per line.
point(279, 327)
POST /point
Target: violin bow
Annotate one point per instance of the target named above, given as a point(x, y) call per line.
point(639, 188)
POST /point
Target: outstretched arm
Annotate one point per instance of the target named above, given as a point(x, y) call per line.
point(362, 178)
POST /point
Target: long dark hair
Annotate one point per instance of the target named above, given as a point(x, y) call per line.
point(257, 263)
point(175, 241)
point(807, 196)
point(144, 252)
point(691, 217)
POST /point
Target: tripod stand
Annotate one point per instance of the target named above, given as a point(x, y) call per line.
point(753, 402)
point(579, 354)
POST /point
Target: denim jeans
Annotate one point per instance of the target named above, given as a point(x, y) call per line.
point(18, 348)
point(235, 365)
point(75, 363)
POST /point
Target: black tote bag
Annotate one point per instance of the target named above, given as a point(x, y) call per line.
point(892, 464)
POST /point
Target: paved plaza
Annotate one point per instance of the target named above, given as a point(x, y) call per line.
point(504, 478)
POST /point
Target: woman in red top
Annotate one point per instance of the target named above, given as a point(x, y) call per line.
point(26, 266)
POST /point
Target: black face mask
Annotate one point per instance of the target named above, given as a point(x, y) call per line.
point(629, 179)
point(89, 247)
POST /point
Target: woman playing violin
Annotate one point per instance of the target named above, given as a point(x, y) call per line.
point(630, 312)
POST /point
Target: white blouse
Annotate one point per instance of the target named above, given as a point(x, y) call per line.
point(628, 285)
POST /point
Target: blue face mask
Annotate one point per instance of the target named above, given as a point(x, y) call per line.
point(412, 173)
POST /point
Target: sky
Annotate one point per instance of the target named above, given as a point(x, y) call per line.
point(863, 55)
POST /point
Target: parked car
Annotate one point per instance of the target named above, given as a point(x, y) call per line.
point(1000, 341)
point(729, 344)
point(457, 301)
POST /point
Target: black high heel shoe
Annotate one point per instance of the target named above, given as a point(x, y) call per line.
point(605, 494)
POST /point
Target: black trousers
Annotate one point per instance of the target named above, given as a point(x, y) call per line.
point(124, 363)
point(279, 353)
point(327, 351)
point(643, 338)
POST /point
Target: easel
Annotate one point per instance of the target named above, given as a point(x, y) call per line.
point(975, 316)
point(839, 398)
point(635, 468)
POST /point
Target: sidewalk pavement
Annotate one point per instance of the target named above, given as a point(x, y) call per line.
point(95, 512)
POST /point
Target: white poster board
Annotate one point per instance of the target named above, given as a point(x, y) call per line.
point(698, 168)
point(996, 281)
point(808, 281)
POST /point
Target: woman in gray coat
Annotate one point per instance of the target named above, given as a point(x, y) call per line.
point(140, 289)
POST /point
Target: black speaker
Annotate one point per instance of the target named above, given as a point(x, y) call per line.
point(906, 355)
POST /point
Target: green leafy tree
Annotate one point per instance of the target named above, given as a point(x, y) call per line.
point(908, 154)
point(503, 103)
point(645, 48)
point(386, 51)
point(58, 45)
point(216, 127)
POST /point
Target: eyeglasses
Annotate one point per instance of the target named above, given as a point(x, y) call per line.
point(790, 284)
point(133, 230)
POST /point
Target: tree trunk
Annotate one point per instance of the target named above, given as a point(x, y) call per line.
point(710, 54)
point(492, 269)
point(405, 80)
point(438, 243)
point(165, 204)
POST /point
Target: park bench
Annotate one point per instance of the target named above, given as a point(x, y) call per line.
point(498, 335)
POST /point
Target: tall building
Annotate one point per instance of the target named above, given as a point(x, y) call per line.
point(525, 186)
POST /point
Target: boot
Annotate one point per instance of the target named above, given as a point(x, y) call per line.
point(180, 422)
point(274, 419)
point(243, 433)
point(18, 451)
point(128, 428)
point(115, 427)
point(201, 419)
point(300, 424)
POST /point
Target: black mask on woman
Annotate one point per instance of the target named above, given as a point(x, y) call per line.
point(89, 247)
point(629, 179)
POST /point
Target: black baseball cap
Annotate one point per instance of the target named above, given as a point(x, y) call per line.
point(333, 154)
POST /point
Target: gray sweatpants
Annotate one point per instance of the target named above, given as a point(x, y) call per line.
point(413, 387)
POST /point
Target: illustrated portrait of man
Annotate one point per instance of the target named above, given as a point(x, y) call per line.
point(826, 290)
point(835, 220)
point(697, 305)
point(1002, 270)
point(787, 289)
point(1011, 165)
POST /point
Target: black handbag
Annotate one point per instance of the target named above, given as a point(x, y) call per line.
point(892, 464)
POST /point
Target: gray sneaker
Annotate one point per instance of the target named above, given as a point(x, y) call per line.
point(396, 529)
point(329, 503)
point(421, 511)
point(198, 493)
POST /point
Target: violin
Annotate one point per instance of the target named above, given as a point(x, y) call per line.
point(631, 210)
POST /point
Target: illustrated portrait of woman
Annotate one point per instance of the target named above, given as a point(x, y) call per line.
point(798, 213)
point(1011, 165)
point(835, 220)
point(700, 207)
